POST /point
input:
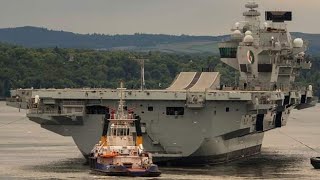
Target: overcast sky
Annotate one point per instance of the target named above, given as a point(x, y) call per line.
point(195, 17)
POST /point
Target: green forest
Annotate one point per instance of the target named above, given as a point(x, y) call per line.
point(22, 67)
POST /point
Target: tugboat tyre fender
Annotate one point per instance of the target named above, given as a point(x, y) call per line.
point(315, 160)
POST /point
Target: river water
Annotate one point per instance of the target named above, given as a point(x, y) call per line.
point(29, 152)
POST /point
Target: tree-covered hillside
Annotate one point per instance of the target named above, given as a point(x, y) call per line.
point(43, 38)
point(73, 68)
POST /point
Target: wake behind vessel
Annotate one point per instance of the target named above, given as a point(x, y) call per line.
point(120, 152)
point(196, 120)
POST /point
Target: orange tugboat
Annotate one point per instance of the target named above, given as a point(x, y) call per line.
point(120, 151)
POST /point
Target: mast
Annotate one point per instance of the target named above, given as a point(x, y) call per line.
point(141, 63)
point(143, 84)
point(121, 101)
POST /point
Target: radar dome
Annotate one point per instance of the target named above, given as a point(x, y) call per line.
point(237, 35)
point(236, 32)
point(251, 5)
point(248, 39)
point(237, 25)
point(248, 33)
point(298, 43)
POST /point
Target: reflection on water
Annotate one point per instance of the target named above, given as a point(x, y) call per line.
point(265, 166)
point(72, 165)
point(30, 152)
point(261, 166)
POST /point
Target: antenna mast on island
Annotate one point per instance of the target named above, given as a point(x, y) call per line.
point(143, 83)
point(142, 80)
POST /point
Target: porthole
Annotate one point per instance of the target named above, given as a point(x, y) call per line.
point(150, 108)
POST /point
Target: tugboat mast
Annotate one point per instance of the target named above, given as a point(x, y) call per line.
point(121, 101)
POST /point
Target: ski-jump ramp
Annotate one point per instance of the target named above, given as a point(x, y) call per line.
point(196, 81)
point(182, 80)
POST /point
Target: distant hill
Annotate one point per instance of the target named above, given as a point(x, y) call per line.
point(36, 37)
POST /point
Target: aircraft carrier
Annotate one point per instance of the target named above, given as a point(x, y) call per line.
point(197, 120)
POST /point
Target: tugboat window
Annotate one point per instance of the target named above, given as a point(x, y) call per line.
point(175, 111)
point(227, 109)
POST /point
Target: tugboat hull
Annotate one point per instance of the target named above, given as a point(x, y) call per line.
point(119, 170)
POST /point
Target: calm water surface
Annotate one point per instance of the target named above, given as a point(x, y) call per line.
point(29, 152)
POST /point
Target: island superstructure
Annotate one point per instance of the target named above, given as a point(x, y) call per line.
point(196, 120)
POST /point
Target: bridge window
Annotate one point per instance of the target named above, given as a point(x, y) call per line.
point(243, 68)
point(264, 67)
point(228, 52)
point(120, 131)
point(175, 110)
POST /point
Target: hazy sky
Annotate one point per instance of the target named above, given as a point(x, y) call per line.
point(196, 17)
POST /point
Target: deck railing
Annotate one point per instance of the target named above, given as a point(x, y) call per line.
point(41, 111)
point(73, 103)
